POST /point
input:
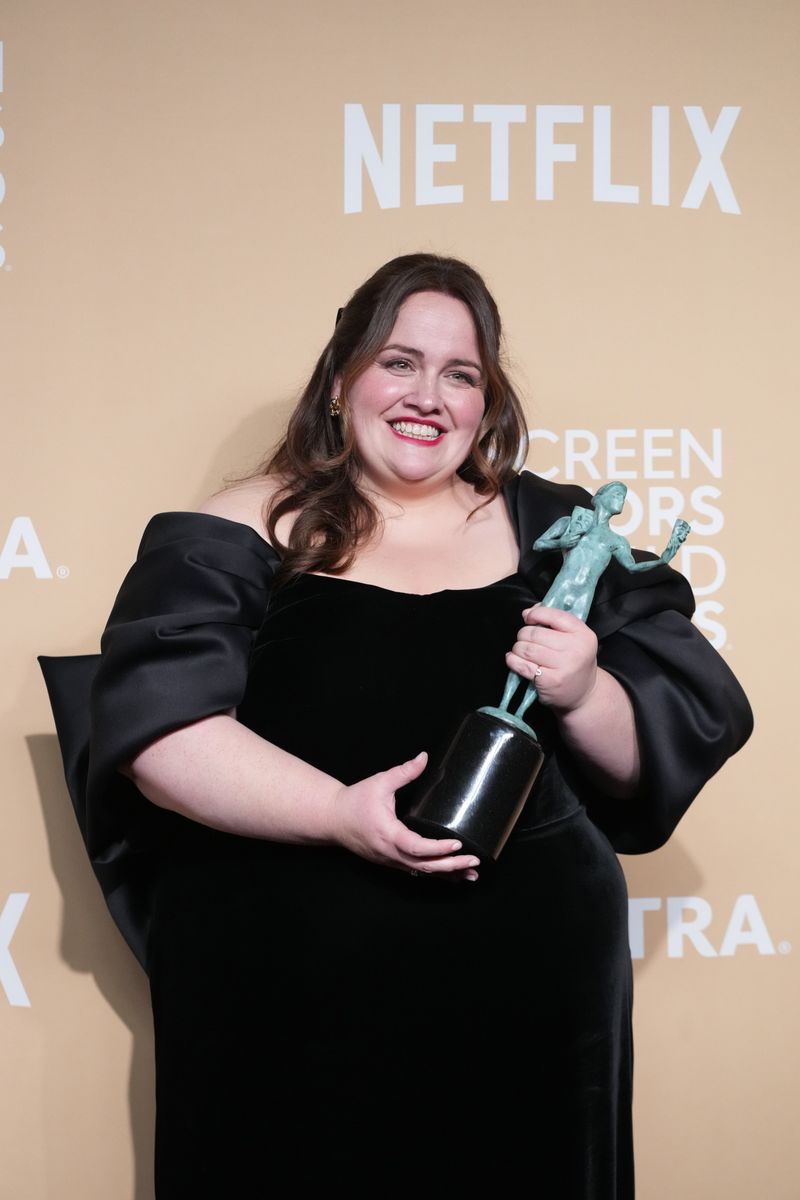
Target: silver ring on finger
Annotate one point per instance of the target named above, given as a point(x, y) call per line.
point(537, 672)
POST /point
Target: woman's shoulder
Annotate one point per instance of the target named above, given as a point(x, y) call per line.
point(230, 521)
point(245, 503)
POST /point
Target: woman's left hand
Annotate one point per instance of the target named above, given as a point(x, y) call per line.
point(565, 650)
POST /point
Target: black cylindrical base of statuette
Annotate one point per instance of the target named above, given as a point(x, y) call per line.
point(479, 788)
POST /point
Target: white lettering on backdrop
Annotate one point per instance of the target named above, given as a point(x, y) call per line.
point(380, 155)
point(9, 975)
point(693, 461)
point(687, 920)
point(23, 550)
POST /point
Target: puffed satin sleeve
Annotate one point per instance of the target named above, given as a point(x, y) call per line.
point(691, 716)
point(176, 649)
point(691, 713)
point(177, 643)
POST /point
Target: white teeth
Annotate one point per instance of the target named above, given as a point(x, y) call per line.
point(412, 429)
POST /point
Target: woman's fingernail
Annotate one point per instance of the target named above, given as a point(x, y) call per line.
point(455, 846)
point(472, 876)
point(473, 862)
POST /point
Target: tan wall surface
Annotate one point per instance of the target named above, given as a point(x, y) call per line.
point(174, 249)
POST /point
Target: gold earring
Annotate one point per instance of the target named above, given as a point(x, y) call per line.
point(334, 408)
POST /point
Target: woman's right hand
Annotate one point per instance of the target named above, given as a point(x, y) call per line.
point(364, 821)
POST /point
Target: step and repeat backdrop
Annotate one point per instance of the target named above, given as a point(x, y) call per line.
point(188, 192)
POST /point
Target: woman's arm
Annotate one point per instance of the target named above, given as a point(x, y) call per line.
point(218, 772)
point(594, 712)
point(601, 732)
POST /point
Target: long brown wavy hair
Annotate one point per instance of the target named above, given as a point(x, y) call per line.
point(318, 461)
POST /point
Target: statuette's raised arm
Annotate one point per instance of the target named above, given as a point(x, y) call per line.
point(622, 551)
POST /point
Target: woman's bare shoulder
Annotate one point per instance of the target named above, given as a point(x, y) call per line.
point(245, 502)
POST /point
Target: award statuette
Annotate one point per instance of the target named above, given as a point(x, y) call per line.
point(479, 788)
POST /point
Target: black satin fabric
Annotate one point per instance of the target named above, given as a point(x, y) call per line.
point(175, 649)
point(342, 1020)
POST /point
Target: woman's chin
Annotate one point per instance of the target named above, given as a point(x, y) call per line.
point(410, 481)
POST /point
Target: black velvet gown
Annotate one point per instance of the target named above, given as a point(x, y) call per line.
point(323, 1022)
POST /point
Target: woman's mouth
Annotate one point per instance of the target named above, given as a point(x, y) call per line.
point(420, 431)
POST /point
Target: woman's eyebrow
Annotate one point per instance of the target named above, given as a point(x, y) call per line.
point(465, 362)
point(453, 362)
point(403, 349)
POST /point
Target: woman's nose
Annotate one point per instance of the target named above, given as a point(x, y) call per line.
point(427, 397)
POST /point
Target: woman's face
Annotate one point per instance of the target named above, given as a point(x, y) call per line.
point(416, 408)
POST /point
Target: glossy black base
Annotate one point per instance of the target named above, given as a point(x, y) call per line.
point(478, 790)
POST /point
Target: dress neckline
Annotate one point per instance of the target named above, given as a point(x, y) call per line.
point(376, 587)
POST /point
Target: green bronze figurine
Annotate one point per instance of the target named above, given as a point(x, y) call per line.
point(588, 543)
point(480, 786)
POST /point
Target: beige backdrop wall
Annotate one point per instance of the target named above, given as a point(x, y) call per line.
point(190, 190)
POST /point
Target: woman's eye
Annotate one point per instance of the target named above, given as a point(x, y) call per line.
point(465, 378)
point(398, 364)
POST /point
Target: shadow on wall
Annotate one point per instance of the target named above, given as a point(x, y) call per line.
point(670, 871)
point(91, 944)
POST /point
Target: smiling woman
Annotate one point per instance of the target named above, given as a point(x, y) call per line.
point(337, 999)
point(420, 338)
point(415, 418)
